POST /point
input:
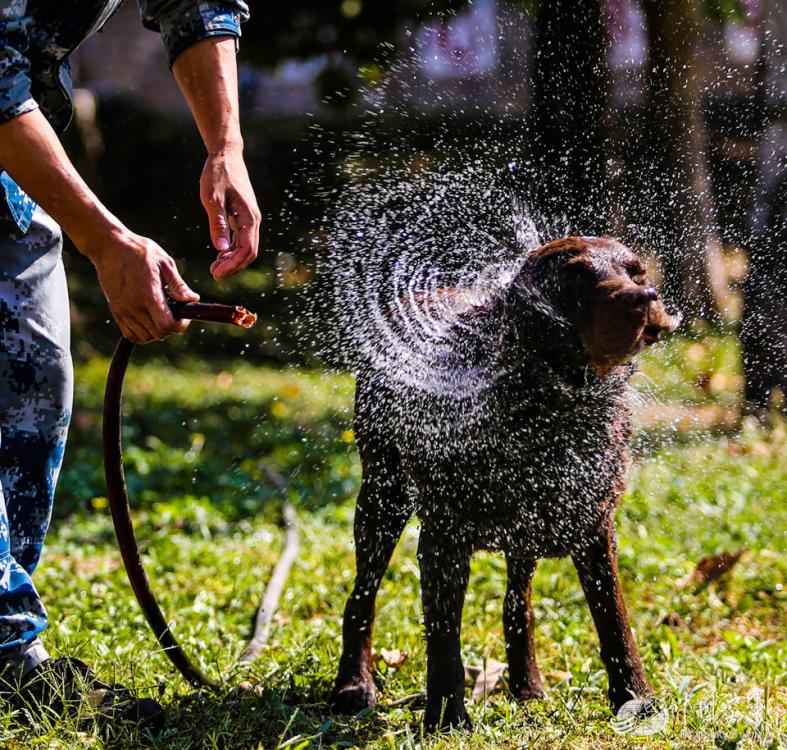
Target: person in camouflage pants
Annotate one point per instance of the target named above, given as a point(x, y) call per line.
point(35, 406)
point(43, 192)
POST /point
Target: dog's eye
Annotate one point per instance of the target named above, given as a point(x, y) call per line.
point(637, 273)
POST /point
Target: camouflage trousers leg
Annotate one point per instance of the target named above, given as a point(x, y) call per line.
point(36, 384)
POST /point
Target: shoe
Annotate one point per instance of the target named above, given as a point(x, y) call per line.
point(62, 686)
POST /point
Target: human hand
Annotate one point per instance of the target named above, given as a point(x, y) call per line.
point(134, 272)
point(228, 199)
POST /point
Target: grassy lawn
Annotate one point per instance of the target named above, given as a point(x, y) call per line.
point(200, 440)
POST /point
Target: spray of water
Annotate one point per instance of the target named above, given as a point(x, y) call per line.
point(397, 246)
point(408, 224)
point(419, 246)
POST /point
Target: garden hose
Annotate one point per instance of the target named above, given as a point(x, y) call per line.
point(116, 483)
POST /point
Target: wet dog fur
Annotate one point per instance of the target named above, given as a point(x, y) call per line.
point(542, 476)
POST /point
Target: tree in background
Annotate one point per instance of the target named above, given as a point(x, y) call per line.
point(350, 33)
point(570, 106)
point(680, 203)
point(572, 124)
point(764, 322)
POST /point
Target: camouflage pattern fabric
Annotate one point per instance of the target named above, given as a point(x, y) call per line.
point(36, 38)
point(182, 23)
point(19, 203)
point(35, 408)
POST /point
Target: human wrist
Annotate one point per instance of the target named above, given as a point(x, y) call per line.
point(97, 238)
point(223, 147)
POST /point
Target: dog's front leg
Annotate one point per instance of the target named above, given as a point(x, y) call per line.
point(597, 566)
point(445, 568)
point(519, 627)
point(380, 517)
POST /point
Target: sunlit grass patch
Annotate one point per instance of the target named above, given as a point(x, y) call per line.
point(200, 440)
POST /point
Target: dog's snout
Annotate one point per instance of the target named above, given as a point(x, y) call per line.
point(640, 297)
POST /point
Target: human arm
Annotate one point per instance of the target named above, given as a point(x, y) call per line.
point(207, 75)
point(200, 39)
point(132, 269)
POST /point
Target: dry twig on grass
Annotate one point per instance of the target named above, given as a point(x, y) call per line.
point(270, 602)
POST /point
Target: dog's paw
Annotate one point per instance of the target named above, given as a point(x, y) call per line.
point(622, 694)
point(445, 717)
point(354, 696)
point(534, 692)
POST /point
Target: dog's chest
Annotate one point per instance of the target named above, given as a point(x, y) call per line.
point(533, 481)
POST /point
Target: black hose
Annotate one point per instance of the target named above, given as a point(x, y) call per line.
point(117, 492)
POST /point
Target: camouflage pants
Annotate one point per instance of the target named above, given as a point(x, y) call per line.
point(35, 408)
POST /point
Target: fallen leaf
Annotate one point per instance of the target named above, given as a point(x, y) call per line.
point(555, 676)
point(251, 687)
point(486, 680)
point(393, 658)
point(711, 568)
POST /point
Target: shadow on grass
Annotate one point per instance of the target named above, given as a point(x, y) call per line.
point(265, 718)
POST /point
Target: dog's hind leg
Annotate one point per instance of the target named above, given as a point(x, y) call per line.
point(444, 559)
point(596, 563)
point(380, 517)
point(524, 679)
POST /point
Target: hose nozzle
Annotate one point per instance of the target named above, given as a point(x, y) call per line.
point(213, 313)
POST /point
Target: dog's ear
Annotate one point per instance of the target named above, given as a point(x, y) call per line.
point(575, 288)
point(538, 325)
point(562, 271)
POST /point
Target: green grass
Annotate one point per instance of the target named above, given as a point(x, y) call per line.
point(200, 441)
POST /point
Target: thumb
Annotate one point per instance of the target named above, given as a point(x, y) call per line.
point(176, 287)
point(219, 227)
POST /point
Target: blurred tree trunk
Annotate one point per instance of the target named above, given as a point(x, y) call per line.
point(570, 104)
point(681, 215)
point(764, 320)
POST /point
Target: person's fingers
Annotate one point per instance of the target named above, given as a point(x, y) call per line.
point(255, 218)
point(146, 317)
point(218, 262)
point(128, 332)
point(139, 331)
point(145, 320)
point(245, 223)
point(163, 320)
point(229, 266)
point(246, 234)
point(257, 230)
point(129, 327)
point(176, 287)
point(125, 330)
point(159, 310)
point(217, 217)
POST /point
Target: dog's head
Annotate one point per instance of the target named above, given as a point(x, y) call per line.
point(601, 289)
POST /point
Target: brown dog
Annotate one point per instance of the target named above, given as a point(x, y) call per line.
point(537, 471)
